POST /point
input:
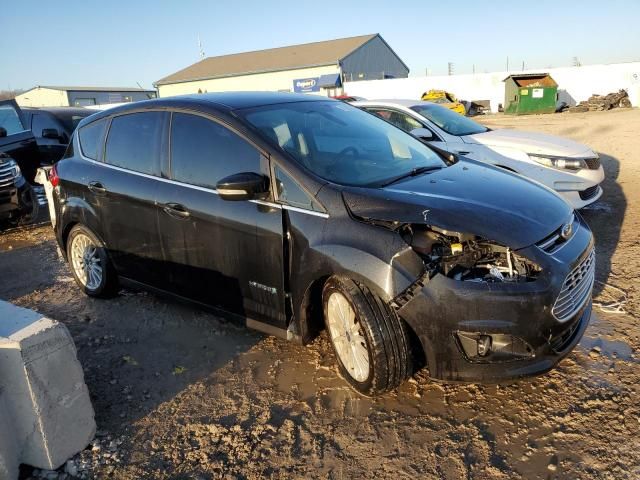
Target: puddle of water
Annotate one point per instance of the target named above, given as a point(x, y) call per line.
point(609, 348)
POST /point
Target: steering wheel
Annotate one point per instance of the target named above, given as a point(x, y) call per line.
point(336, 165)
point(349, 150)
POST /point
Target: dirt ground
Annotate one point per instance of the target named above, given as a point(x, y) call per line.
point(180, 393)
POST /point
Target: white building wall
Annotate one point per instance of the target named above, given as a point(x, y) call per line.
point(574, 84)
point(43, 97)
point(272, 81)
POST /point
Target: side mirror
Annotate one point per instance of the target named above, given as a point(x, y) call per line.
point(422, 133)
point(3, 132)
point(243, 186)
point(51, 133)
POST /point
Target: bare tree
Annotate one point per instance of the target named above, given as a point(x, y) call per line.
point(9, 94)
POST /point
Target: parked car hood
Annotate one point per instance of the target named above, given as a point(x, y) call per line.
point(468, 197)
point(530, 142)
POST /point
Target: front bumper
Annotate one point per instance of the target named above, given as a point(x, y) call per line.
point(445, 313)
point(581, 190)
point(12, 203)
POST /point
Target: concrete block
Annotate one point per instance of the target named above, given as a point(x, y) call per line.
point(43, 398)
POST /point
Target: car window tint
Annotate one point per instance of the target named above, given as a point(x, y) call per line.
point(291, 193)
point(91, 138)
point(399, 119)
point(41, 121)
point(204, 152)
point(10, 120)
point(134, 140)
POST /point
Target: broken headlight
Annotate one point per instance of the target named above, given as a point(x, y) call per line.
point(561, 163)
point(467, 257)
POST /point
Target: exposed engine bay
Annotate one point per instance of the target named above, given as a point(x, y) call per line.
point(467, 257)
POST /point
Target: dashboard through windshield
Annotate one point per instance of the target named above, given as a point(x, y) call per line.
point(341, 143)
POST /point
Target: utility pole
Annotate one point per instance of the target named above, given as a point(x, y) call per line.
point(523, 65)
point(200, 49)
point(507, 64)
point(450, 68)
point(473, 68)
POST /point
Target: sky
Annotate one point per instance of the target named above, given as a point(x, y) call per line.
point(125, 43)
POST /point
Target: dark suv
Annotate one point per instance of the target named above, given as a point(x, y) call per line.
point(18, 163)
point(295, 212)
point(52, 128)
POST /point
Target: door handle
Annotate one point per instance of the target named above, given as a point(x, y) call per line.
point(97, 188)
point(176, 210)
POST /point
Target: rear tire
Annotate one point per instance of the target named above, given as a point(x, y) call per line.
point(369, 326)
point(90, 264)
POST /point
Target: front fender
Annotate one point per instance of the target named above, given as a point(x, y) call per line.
point(386, 276)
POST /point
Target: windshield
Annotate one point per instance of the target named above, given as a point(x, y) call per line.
point(341, 143)
point(448, 120)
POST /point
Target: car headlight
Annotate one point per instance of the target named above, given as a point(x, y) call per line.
point(561, 163)
point(15, 170)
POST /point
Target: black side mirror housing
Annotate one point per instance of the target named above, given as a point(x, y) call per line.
point(51, 133)
point(243, 186)
point(3, 132)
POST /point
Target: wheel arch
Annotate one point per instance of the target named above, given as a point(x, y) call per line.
point(78, 211)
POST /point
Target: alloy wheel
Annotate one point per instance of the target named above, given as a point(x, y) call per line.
point(86, 262)
point(347, 336)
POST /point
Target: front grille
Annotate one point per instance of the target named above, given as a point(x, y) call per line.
point(593, 163)
point(576, 289)
point(6, 174)
point(589, 193)
point(553, 242)
point(560, 342)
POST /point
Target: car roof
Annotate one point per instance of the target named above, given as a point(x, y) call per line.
point(223, 102)
point(392, 102)
point(60, 111)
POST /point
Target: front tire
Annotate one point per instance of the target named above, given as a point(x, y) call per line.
point(90, 264)
point(370, 341)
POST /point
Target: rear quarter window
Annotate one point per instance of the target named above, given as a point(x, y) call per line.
point(91, 137)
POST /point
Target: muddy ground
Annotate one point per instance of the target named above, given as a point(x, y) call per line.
point(180, 393)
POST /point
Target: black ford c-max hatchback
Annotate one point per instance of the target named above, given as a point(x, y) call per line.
point(296, 212)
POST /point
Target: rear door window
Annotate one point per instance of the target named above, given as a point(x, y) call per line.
point(134, 142)
point(204, 152)
point(91, 137)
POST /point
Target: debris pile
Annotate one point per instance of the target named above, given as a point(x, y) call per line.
point(603, 102)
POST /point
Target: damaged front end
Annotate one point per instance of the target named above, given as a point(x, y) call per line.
point(482, 310)
point(467, 257)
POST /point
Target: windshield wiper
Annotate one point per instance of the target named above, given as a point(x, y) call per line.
point(413, 173)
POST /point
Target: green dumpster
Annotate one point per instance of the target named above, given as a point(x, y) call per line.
point(528, 93)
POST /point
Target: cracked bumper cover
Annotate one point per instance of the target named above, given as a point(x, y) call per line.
point(445, 314)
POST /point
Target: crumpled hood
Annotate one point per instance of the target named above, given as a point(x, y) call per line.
point(468, 197)
point(530, 142)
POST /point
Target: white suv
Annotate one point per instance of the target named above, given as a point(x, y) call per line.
point(570, 168)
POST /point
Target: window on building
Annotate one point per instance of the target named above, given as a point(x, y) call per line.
point(84, 102)
point(204, 152)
